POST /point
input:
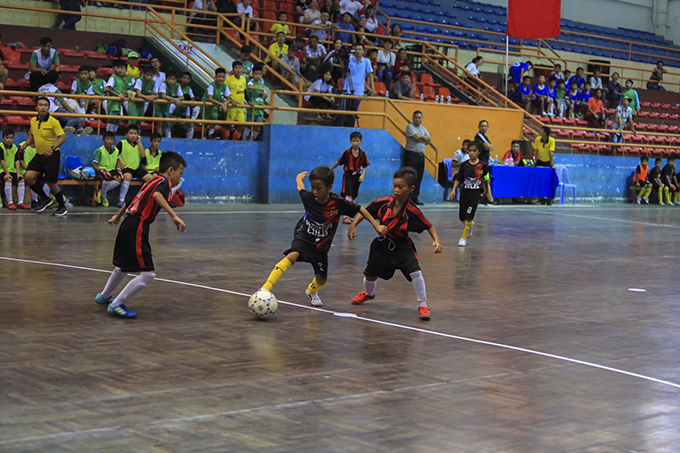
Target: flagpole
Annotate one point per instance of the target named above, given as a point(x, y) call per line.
point(507, 51)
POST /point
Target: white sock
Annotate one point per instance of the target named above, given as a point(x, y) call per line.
point(255, 135)
point(167, 132)
point(190, 132)
point(211, 130)
point(114, 280)
point(419, 287)
point(172, 108)
point(112, 127)
point(46, 189)
point(176, 188)
point(369, 286)
point(195, 112)
point(123, 190)
point(21, 191)
point(133, 287)
point(108, 185)
point(8, 192)
point(246, 134)
point(34, 196)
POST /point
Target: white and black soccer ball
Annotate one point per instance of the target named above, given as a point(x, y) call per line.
point(263, 304)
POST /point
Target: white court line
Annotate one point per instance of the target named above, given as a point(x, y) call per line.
point(384, 323)
point(634, 222)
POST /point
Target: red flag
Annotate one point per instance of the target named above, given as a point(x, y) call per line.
point(534, 19)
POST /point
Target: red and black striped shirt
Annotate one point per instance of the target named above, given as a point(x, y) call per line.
point(143, 205)
point(399, 223)
point(352, 163)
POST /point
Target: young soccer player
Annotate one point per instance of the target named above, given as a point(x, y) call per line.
point(314, 232)
point(131, 155)
point(641, 180)
point(257, 94)
point(655, 176)
point(473, 180)
point(116, 86)
point(144, 90)
point(10, 176)
point(170, 91)
point(81, 84)
point(217, 98)
point(152, 154)
point(573, 100)
point(668, 177)
point(523, 95)
point(132, 252)
point(248, 65)
point(354, 162)
point(541, 99)
point(561, 97)
point(107, 164)
point(237, 84)
point(22, 165)
point(396, 251)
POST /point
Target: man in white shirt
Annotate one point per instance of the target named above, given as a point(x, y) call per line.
point(460, 156)
point(322, 34)
point(60, 105)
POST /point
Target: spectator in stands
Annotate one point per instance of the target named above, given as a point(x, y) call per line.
point(417, 138)
point(70, 20)
point(280, 26)
point(481, 137)
point(586, 94)
point(578, 78)
point(351, 6)
point(401, 60)
point(323, 85)
point(326, 30)
point(301, 6)
point(613, 90)
point(144, 90)
point(237, 85)
point(60, 105)
point(311, 14)
point(523, 95)
point(41, 62)
point(460, 156)
point(385, 68)
point(541, 100)
point(225, 7)
point(513, 156)
point(623, 116)
point(395, 34)
point(247, 11)
point(573, 100)
point(334, 60)
point(474, 65)
point(246, 52)
point(315, 53)
point(406, 67)
point(632, 95)
point(361, 28)
point(332, 7)
point(81, 84)
point(257, 96)
point(290, 69)
point(557, 72)
point(197, 18)
point(359, 71)
point(300, 53)
point(184, 110)
point(159, 76)
point(371, 21)
point(279, 49)
point(596, 81)
point(132, 69)
point(656, 77)
point(561, 100)
point(217, 100)
point(403, 88)
point(517, 70)
point(373, 58)
point(552, 95)
point(595, 114)
point(346, 26)
point(168, 91)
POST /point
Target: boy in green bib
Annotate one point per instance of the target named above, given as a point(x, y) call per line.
point(186, 111)
point(81, 84)
point(217, 100)
point(143, 92)
point(22, 165)
point(106, 163)
point(116, 86)
point(8, 158)
point(168, 90)
point(152, 154)
point(131, 153)
point(257, 93)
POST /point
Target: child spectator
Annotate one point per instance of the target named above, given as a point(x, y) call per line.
point(168, 90)
point(190, 111)
point(373, 58)
point(132, 252)
point(217, 98)
point(623, 116)
point(159, 76)
point(314, 232)
point(281, 27)
point(257, 95)
point(322, 85)
point(586, 94)
point(386, 60)
point(107, 165)
point(473, 180)
point(656, 178)
point(246, 64)
point(61, 105)
point(22, 164)
point(98, 88)
point(326, 30)
point(460, 156)
point(567, 76)
point(41, 63)
point(116, 87)
point(596, 81)
point(656, 77)
point(522, 94)
point(403, 88)
point(513, 157)
point(279, 49)
point(343, 28)
point(557, 72)
point(396, 251)
point(561, 101)
point(669, 180)
point(237, 85)
point(613, 90)
point(152, 155)
point(81, 84)
point(573, 100)
point(541, 99)
point(291, 69)
point(144, 91)
point(247, 10)
point(10, 176)
point(632, 95)
point(552, 96)
point(578, 78)
point(643, 187)
point(595, 114)
point(132, 70)
point(131, 152)
point(355, 163)
point(517, 71)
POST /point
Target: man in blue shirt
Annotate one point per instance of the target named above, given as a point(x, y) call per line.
point(345, 24)
point(578, 78)
point(359, 71)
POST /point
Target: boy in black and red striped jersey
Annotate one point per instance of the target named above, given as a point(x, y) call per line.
point(132, 252)
point(353, 161)
point(314, 232)
point(396, 249)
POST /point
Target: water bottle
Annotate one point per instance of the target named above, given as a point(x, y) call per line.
point(436, 99)
point(449, 99)
point(422, 97)
point(387, 94)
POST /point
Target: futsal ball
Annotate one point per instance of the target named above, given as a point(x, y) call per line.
point(263, 304)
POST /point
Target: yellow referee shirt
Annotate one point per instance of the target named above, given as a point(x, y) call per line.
point(544, 149)
point(45, 132)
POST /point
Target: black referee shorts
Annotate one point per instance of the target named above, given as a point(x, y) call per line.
point(132, 252)
point(49, 166)
point(309, 254)
point(467, 205)
point(386, 256)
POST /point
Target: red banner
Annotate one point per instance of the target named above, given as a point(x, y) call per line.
point(534, 19)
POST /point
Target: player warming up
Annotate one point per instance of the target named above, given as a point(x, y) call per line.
point(315, 230)
point(473, 180)
point(132, 252)
point(396, 251)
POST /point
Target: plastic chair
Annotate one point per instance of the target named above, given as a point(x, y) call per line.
point(449, 176)
point(563, 182)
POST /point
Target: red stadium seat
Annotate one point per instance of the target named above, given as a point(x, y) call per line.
point(16, 120)
point(380, 89)
point(268, 5)
point(428, 93)
point(22, 100)
point(287, 7)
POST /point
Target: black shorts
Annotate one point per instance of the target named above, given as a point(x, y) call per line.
point(467, 205)
point(132, 252)
point(15, 179)
point(309, 254)
point(386, 256)
point(49, 166)
point(350, 184)
point(138, 173)
point(542, 163)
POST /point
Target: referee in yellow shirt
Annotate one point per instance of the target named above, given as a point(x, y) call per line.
point(46, 135)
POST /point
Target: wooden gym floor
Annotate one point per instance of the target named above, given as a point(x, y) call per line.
point(537, 342)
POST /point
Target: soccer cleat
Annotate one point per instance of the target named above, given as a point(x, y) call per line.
point(361, 298)
point(101, 300)
point(69, 130)
point(121, 312)
point(646, 200)
point(424, 313)
point(61, 210)
point(670, 203)
point(44, 204)
point(121, 204)
point(637, 201)
point(11, 206)
point(105, 202)
point(23, 206)
point(314, 299)
point(661, 203)
point(462, 242)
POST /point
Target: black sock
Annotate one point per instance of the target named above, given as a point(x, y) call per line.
point(38, 189)
point(60, 198)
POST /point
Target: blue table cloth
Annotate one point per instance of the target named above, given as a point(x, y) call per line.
point(514, 182)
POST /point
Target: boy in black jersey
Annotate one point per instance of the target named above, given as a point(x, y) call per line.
point(132, 252)
point(354, 162)
point(656, 178)
point(315, 230)
point(396, 250)
point(669, 179)
point(473, 180)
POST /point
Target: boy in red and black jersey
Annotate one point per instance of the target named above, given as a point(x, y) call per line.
point(353, 161)
point(314, 232)
point(396, 251)
point(132, 252)
point(473, 180)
